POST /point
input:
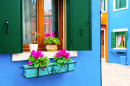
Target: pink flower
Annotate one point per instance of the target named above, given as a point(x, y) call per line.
point(53, 35)
point(42, 55)
point(33, 51)
point(48, 35)
point(41, 67)
point(34, 55)
point(58, 56)
point(67, 55)
point(29, 63)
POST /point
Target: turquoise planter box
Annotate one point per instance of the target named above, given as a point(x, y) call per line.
point(45, 71)
point(69, 66)
point(31, 71)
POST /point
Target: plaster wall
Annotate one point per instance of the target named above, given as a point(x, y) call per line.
point(117, 20)
point(87, 72)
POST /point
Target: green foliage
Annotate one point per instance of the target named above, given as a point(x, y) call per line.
point(60, 61)
point(51, 40)
point(40, 61)
point(120, 46)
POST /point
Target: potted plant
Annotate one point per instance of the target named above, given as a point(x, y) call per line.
point(34, 46)
point(37, 61)
point(62, 61)
point(51, 42)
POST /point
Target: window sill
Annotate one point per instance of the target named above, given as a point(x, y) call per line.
point(49, 54)
point(120, 9)
point(119, 48)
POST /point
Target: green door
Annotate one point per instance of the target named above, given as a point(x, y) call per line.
point(10, 26)
point(78, 25)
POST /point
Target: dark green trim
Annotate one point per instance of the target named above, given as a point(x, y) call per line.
point(90, 30)
point(120, 33)
point(68, 23)
point(21, 26)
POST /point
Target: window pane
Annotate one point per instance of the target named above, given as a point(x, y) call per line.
point(120, 4)
point(51, 17)
point(121, 41)
point(29, 20)
point(123, 3)
point(103, 7)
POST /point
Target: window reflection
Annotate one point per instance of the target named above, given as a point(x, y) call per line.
point(29, 19)
point(51, 16)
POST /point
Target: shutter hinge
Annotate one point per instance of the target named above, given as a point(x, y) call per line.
point(71, 41)
point(89, 21)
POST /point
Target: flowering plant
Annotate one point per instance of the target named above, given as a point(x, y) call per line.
point(37, 59)
point(51, 40)
point(61, 57)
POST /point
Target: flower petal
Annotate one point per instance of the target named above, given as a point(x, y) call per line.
point(48, 35)
point(53, 35)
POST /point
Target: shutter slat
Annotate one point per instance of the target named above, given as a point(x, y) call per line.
point(126, 38)
point(123, 3)
point(113, 40)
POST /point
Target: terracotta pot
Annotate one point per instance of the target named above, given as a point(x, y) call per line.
point(51, 47)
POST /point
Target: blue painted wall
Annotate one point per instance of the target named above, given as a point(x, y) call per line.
point(87, 71)
point(117, 20)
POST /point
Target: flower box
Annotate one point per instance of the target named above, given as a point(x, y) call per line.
point(69, 66)
point(32, 72)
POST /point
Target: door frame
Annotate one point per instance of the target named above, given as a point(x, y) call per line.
point(104, 43)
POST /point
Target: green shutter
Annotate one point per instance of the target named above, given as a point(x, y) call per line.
point(118, 4)
point(68, 27)
point(123, 3)
point(113, 40)
point(78, 13)
point(126, 38)
point(12, 41)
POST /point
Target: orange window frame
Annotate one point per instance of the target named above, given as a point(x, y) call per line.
point(40, 26)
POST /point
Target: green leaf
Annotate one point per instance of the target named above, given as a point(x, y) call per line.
point(36, 65)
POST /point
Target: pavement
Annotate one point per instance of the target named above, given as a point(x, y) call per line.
point(115, 74)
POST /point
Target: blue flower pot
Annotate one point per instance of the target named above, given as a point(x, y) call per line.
point(123, 60)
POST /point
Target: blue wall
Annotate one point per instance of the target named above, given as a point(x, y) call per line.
point(117, 20)
point(87, 71)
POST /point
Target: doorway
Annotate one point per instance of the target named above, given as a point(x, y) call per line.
point(103, 43)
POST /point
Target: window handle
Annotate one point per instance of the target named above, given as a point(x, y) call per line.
point(81, 31)
point(7, 26)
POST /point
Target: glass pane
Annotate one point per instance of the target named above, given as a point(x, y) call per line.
point(51, 17)
point(29, 20)
point(121, 41)
point(118, 4)
point(123, 3)
point(102, 5)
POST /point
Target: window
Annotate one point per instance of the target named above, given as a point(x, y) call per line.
point(119, 39)
point(120, 4)
point(103, 5)
point(42, 16)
